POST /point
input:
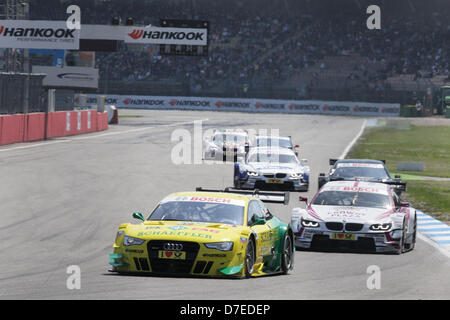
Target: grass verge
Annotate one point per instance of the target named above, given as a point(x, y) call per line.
point(408, 143)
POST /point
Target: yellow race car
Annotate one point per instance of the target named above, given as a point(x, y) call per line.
point(226, 233)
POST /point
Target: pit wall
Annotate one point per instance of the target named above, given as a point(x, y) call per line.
point(34, 126)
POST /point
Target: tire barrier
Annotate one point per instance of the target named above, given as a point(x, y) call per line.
point(32, 126)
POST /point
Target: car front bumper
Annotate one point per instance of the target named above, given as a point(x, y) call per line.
point(372, 241)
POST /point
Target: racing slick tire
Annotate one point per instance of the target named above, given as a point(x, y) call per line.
point(402, 248)
point(410, 246)
point(250, 254)
point(286, 258)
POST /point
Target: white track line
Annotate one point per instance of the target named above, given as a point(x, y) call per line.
point(71, 138)
point(350, 145)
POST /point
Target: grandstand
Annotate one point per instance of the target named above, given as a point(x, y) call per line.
point(291, 49)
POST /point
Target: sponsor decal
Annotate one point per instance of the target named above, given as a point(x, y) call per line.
point(205, 199)
point(345, 214)
point(166, 35)
point(243, 240)
point(37, 34)
point(232, 104)
point(214, 255)
point(175, 233)
point(147, 102)
point(304, 107)
point(189, 103)
point(334, 108)
point(271, 106)
point(205, 230)
point(357, 108)
point(152, 227)
point(178, 228)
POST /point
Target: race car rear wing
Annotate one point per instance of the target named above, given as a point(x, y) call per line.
point(264, 196)
point(333, 161)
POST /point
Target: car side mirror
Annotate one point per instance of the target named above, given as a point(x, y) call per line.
point(321, 174)
point(404, 204)
point(138, 216)
point(303, 199)
point(259, 222)
point(397, 176)
point(296, 146)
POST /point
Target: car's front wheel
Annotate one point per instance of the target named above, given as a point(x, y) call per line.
point(250, 258)
point(288, 252)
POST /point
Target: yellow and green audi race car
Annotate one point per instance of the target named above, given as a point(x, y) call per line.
point(227, 233)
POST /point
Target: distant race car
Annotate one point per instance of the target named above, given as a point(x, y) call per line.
point(226, 145)
point(277, 141)
point(355, 214)
point(216, 233)
point(268, 168)
point(361, 170)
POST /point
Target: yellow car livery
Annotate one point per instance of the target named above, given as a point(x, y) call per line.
point(207, 233)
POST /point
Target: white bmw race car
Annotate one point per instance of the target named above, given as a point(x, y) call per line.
point(358, 215)
point(268, 168)
point(226, 145)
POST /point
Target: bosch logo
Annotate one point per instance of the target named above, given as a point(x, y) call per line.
point(173, 246)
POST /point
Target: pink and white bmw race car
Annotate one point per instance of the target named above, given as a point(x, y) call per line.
point(355, 214)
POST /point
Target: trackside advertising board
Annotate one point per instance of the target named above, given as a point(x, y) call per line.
point(251, 105)
point(164, 35)
point(70, 77)
point(38, 34)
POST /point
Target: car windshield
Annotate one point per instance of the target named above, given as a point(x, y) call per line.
point(272, 158)
point(268, 142)
point(354, 199)
point(199, 212)
point(348, 172)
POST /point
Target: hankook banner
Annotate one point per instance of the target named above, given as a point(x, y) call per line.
point(38, 34)
point(165, 35)
point(251, 105)
point(69, 77)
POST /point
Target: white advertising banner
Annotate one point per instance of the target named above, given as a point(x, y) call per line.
point(158, 35)
point(251, 105)
point(38, 34)
point(73, 77)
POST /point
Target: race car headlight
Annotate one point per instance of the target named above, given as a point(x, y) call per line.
point(381, 226)
point(130, 241)
point(253, 173)
point(222, 246)
point(310, 224)
point(296, 175)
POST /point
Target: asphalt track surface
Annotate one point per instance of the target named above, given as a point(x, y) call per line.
point(61, 202)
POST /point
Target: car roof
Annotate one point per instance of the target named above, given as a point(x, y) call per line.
point(278, 150)
point(360, 161)
point(221, 195)
point(373, 187)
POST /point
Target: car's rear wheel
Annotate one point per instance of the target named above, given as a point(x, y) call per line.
point(410, 246)
point(249, 258)
point(286, 259)
point(402, 246)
